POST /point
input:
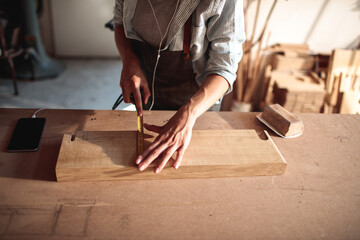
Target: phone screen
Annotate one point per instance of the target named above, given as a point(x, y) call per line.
point(27, 135)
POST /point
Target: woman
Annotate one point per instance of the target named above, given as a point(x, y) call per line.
point(155, 39)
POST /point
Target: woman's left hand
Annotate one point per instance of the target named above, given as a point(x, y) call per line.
point(173, 137)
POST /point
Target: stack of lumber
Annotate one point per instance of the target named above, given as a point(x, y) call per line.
point(343, 82)
point(288, 61)
point(298, 91)
point(292, 57)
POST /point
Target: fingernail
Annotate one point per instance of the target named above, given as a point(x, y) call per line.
point(141, 167)
point(137, 161)
point(157, 170)
point(176, 166)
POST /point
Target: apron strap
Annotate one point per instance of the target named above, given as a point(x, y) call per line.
point(187, 39)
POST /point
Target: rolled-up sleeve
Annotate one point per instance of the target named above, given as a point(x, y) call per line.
point(226, 34)
point(118, 12)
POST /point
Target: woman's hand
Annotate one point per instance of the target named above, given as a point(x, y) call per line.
point(132, 78)
point(132, 82)
point(173, 137)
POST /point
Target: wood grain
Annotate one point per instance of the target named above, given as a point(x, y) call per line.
point(320, 186)
point(96, 156)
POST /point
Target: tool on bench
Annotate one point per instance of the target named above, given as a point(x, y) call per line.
point(282, 122)
point(140, 124)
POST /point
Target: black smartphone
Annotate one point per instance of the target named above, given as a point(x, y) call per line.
point(27, 135)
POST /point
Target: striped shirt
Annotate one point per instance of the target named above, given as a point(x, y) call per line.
point(217, 34)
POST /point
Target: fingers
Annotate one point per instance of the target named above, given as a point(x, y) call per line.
point(126, 92)
point(138, 101)
point(153, 128)
point(158, 141)
point(146, 92)
point(132, 80)
point(131, 89)
point(175, 135)
point(150, 154)
point(162, 150)
point(166, 154)
point(165, 158)
point(179, 157)
point(122, 77)
point(132, 83)
point(148, 150)
point(138, 97)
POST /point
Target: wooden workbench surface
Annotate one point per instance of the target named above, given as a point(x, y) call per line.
point(318, 197)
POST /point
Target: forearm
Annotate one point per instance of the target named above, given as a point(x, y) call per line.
point(210, 91)
point(123, 45)
point(132, 78)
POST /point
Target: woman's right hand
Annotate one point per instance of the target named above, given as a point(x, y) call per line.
point(133, 81)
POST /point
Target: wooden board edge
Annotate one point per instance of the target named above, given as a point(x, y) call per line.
point(66, 137)
point(276, 148)
point(113, 174)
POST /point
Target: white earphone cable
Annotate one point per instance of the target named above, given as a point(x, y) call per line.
point(162, 37)
point(36, 112)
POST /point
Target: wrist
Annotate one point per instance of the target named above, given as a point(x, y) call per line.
point(129, 59)
point(189, 113)
point(197, 103)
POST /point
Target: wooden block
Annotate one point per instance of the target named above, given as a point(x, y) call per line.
point(290, 46)
point(95, 156)
point(283, 121)
point(333, 97)
point(282, 63)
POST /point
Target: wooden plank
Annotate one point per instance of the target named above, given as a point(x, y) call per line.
point(290, 46)
point(285, 63)
point(345, 62)
point(334, 96)
point(94, 156)
point(350, 103)
point(266, 91)
point(341, 81)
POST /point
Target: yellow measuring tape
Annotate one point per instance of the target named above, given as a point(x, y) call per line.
point(140, 135)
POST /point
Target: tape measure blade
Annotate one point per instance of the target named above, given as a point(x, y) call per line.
point(140, 135)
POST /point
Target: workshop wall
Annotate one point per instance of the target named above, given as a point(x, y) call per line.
point(324, 24)
point(78, 25)
point(78, 28)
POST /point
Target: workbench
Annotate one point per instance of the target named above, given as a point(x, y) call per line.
point(318, 197)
